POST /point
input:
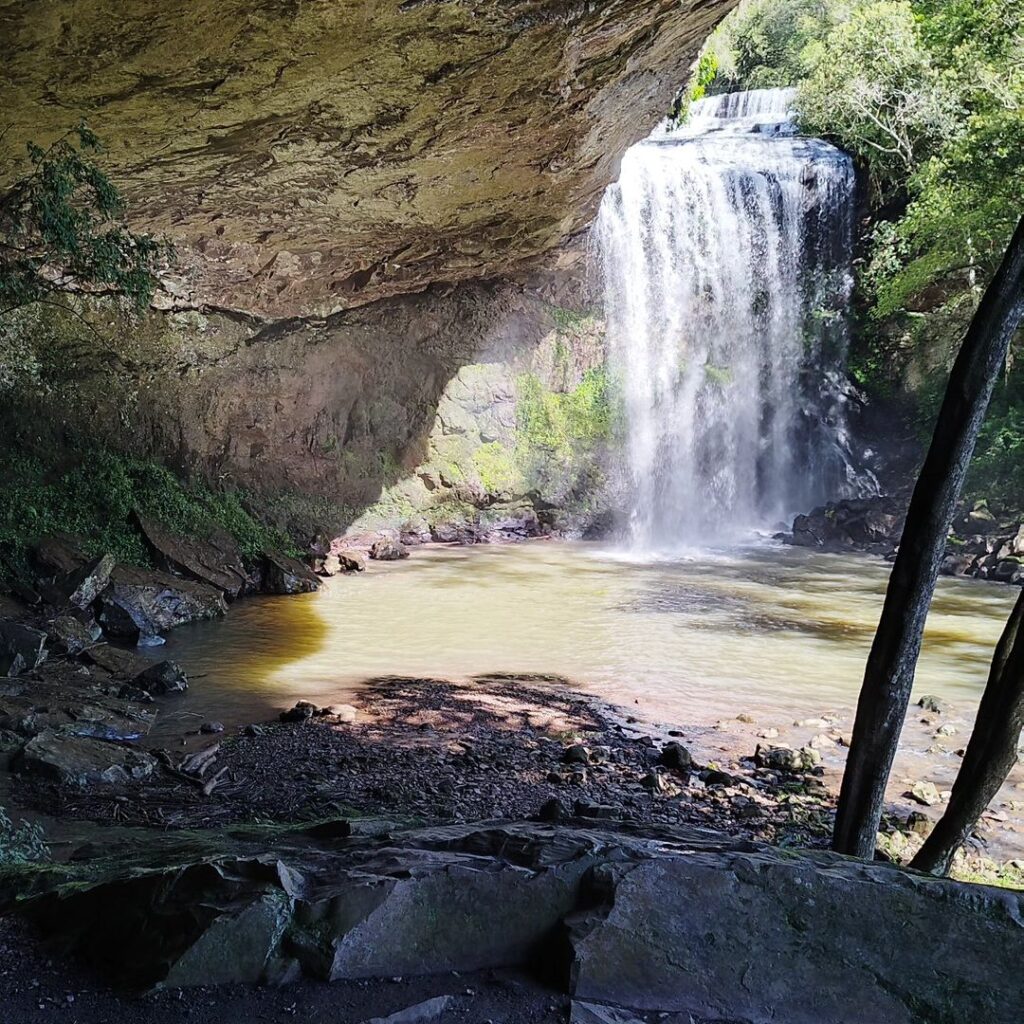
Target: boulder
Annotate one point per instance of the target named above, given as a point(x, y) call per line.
point(387, 549)
point(675, 756)
point(122, 665)
point(216, 561)
point(669, 921)
point(141, 602)
point(343, 560)
point(21, 647)
point(784, 758)
point(161, 678)
point(60, 553)
point(69, 635)
point(414, 531)
point(283, 574)
point(80, 587)
point(82, 761)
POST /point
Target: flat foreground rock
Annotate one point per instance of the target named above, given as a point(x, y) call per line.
point(683, 921)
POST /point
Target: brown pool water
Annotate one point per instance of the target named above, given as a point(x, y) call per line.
point(764, 629)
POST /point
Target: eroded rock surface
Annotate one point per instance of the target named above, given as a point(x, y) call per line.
point(307, 157)
point(670, 921)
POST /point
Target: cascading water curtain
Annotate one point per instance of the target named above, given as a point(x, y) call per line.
point(725, 248)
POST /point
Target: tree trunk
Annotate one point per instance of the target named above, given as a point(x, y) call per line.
point(889, 675)
point(990, 754)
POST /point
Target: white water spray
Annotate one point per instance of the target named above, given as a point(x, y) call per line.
point(726, 250)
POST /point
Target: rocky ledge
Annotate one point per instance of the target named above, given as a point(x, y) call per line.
point(628, 921)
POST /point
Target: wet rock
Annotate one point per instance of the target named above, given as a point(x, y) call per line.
point(414, 531)
point(79, 588)
point(345, 560)
point(60, 553)
point(283, 574)
point(21, 647)
point(303, 711)
point(785, 759)
point(141, 602)
point(768, 734)
point(946, 729)
point(576, 754)
point(119, 663)
point(933, 704)
point(69, 636)
point(162, 678)
point(676, 757)
point(216, 561)
point(745, 718)
point(81, 761)
point(387, 549)
point(211, 728)
point(924, 793)
point(716, 777)
point(860, 523)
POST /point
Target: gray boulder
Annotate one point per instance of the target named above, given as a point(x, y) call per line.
point(79, 588)
point(140, 602)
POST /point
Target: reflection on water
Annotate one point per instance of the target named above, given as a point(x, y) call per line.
point(769, 627)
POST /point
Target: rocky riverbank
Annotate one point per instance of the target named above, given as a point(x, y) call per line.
point(981, 544)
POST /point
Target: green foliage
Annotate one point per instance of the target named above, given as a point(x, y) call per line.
point(61, 228)
point(555, 421)
point(496, 468)
point(98, 497)
point(21, 844)
point(705, 75)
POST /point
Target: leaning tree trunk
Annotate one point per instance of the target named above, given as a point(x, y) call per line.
point(990, 754)
point(889, 675)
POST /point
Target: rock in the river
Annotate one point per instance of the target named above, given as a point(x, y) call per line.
point(872, 523)
point(675, 756)
point(934, 704)
point(140, 602)
point(81, 761)
point(387, 549)
point(283, 574)
point(216, 561)
point(21, 647)
point(343, 560)
point(784, 758)
point(303, 711)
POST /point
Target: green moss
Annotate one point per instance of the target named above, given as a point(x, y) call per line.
point(97, 498)
point(496, 468)
point(555, 421)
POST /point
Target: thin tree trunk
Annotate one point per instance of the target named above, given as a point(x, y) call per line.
point(889, 675)
point(990, 754)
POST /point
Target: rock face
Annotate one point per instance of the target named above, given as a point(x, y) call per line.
point(674, 922)
point(215, 561)
point(307, 157)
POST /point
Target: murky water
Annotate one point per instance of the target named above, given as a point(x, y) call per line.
point(768, 628)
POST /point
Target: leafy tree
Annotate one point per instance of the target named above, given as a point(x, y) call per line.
point(62, 229)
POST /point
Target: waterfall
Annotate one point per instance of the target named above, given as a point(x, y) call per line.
point(726, 249)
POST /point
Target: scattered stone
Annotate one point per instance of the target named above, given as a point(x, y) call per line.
point(924, 793)
point(715, 777)
point(934, 704)
point(343, 713)
point(21, 648)
point(345, 560)
point(919, 823)
point(253, 730)
point(303, 711)
point(82, 761)
point(785, 759)
point(283, 574)
point(676, 757)
point(163, 677)
point(211, 728)
point(586, 809)
point(768, 734)
point(823, 740)
point(744, 717)
point(946, 729)
point(555, 778)
point(576, 754)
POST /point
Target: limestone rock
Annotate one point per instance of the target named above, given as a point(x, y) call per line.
point(80, 587)
point(140, 602)
point(925, 793)
point(283, 574)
